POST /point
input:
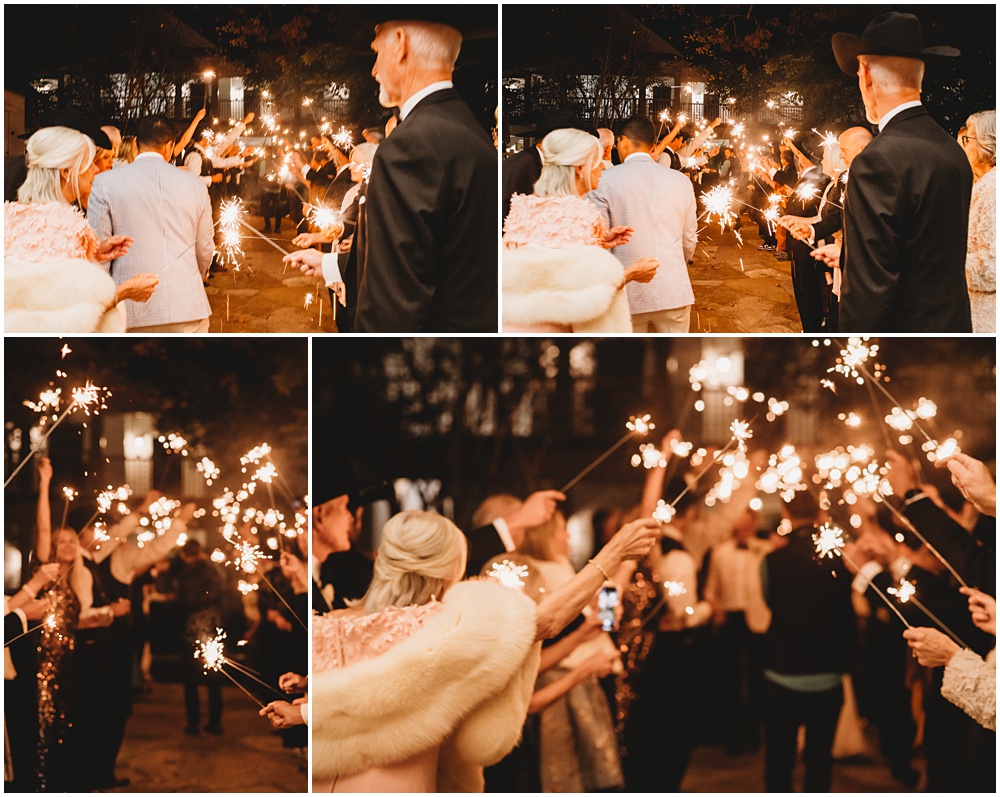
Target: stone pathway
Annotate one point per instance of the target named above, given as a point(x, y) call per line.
point(738, 288)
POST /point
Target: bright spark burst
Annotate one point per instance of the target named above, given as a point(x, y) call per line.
point(48, 401)
point(343, 139)
point(851, 419)
point(255, 455)
point(829, 541)
point(674, 589)
point(719, 203)
point(324, 218)
point(108, 498)
point(937, 451)
point(784, 474)
point(309, 299)
point(734, 468)
point(857, 354)
point(246, 587)
point(508, 574)
point(100, 530)
point(90, 397)
point(790, 133)
point(212, 651)
point(208, 469)
point(65, 350)
point(174, 444)
point(925, 409)
point(231, 248)
point(640, 425)
point(807, 191)
point(905, 590)
point(247, 557)
point(649, 457)
point(681, 448)
point(69, 493)
point(741, 432)
point(664, 512)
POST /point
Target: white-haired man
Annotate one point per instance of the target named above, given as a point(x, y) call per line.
point(906, 211)
point(607, 139)
point(421, 252)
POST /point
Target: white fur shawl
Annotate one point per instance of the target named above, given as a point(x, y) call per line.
point(579, 286)
point(462, 681)
point(67, 295)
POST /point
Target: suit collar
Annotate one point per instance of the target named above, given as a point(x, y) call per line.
point(901, 116)
point(418, 97)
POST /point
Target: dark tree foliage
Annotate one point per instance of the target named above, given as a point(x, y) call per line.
point(226, 396)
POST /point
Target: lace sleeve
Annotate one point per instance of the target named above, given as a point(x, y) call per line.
point(971, 684)
point(981, 260)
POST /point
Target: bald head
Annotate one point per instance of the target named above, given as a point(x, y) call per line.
point(852, 141)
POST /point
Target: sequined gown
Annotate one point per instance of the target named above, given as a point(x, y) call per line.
point(55, 660)
point(345, 638)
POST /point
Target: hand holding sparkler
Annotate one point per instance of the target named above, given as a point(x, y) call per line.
point(983, 609)
point(283, 714)
point(293, 682)
point(829, 255)
point(930, 647)
point(537, 508)
point(634, 540)
point(308, 261)
point(973, 478)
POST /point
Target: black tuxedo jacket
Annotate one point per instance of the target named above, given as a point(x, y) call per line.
point(338, 187)
point(520, 173)
point(807, 207)
point(428, 261)
point(484, 544)
point(906, 224)
point(832, 217)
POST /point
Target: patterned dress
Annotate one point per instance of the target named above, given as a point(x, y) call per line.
point(47, 231)
point(981, 258)
point(55, 660)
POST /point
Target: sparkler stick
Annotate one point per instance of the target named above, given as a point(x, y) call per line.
point(30, 630)
point(738, 437)
point(881, 594)
point(245, 691)
point(878, 414)
point(248, 674)
point(636, 427)
point(82, 398)
point(267, 581)
point(906, 592)
point(913, 530)
point(263, 237)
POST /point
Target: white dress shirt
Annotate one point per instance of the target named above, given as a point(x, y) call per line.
point(899, 108)
point(407, 106)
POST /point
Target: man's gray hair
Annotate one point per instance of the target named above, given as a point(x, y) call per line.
point(435, 46)
point(893, 72)
point(606, 137)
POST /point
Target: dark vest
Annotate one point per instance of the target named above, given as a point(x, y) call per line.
point(813, 627)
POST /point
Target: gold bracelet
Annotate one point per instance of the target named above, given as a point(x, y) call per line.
point(599, 569)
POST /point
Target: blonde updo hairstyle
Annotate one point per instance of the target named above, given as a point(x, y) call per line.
point(420, 556)
point(562, 151)
point(48, 151)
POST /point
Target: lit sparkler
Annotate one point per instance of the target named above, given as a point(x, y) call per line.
point(674, 589)
point(208, 469)
point(508, 574)
point(637, 426)
point(343, 139)
point(783, 475)
point(906, 592)
point(664, 512)
point(649, 457)
point(719, 203)
point(829, 541)
point(174, 444)
point(247, 557)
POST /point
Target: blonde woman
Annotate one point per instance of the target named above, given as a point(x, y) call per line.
point(52, 282)
point(426, 680)
point(557, 273)
point(980, 144)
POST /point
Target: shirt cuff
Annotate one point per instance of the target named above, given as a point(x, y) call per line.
point(866, 573)
point(304, 708)
point(305, 171)
point(24, 619)
point(504, 533)
point(331, 270)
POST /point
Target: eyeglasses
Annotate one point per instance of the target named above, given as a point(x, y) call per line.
point(967, 139)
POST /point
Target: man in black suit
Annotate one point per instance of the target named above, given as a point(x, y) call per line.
point(807, 274)
point(506, 533)
point(906, 212)
point(810, 645)
point(424, 263)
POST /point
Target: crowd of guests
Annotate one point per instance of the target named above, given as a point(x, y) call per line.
point(153, 229)
point(101, 617)
point(905, 243)
point(729, 633)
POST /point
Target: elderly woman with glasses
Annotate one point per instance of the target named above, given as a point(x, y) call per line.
point(980, 144)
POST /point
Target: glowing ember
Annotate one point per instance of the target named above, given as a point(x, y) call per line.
point(246, 587)
point(212, 651)
point(508, 574)
point(65, 350)
point(174, 444)
point(649, 456)
point(247, 557)
point(674, 588)
point(48, 401)
point(664, 512)
point(905, 590)
point(208, 469)
point(640, 425)
point(89, 396)
point(69, 493)
point(255, 455)
point(829, 541)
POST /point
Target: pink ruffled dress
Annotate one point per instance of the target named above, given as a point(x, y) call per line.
point(48, 231)
point(342, 639)
point(555, 222)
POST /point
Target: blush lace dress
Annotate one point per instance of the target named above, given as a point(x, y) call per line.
point(981, 258)
point(345, 638)
point(47, 231)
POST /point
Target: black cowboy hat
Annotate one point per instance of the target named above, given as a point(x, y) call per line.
point(810, 144)
point(892, 33)
point(357, 22)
